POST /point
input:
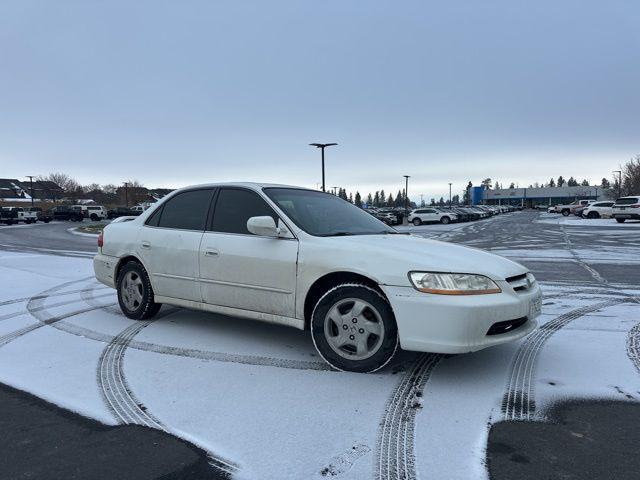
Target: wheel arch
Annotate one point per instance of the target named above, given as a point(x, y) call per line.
point(123, 261)
point(330, 280)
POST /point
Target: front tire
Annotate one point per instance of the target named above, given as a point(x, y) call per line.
point(565, 213)
point(620, 220)
point(135, 294)
point(593, 215)
point(354, 329)
point(417, 222)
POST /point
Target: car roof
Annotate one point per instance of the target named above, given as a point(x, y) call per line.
point(251, 185)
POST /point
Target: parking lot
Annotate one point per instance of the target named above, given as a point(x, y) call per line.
point(230, 386)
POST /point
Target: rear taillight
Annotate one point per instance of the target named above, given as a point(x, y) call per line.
point(635, 206)
point(100, 240)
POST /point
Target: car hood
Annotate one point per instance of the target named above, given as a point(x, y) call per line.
point(391, 257)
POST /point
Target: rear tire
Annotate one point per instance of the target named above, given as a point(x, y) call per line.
point(620, 220)
point(417, 222)
point(565, 213)
point(94, 217)
point(593, 215)
point(445, 220)
point(354, 329)
point(135, 294)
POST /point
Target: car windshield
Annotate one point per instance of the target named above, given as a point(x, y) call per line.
point(325, 215)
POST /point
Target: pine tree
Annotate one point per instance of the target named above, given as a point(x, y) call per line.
point(350, 197)
point(369, 200)
point(585, 183)
point(605, 183)
point(376, 199)
point(390, 201)
point(552, 183)
point(383, 198)
point(572, 182)
point(561, 181)
point(358, 200)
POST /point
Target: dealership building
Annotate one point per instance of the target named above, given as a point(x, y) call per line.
point(532, 197)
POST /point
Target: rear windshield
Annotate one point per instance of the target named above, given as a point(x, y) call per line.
point(628, 201)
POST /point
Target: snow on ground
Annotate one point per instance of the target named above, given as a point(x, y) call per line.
point(573, 221)
point(259, 395)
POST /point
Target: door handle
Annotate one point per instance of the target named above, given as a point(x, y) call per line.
point(211, 252)
point(146, 245)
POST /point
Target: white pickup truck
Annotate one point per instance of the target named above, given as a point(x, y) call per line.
point(23, 215)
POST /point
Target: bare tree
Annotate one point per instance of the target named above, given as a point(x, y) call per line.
point(631, 176)
point(64, 181)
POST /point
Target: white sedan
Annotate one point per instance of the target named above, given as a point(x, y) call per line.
point(313, 261)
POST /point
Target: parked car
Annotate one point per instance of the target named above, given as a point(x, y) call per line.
point(577, 211)
point(8, 216)
point(389, 213)
point(570, 208)
point(121, 212)
point(41, 215)
point(22, 214)
point(626, 208)
point(96, 212)
point(63, 212)
point(462, 214)
point(430, 215)
point(138, 209)
point(598, 210)
point(313, 261)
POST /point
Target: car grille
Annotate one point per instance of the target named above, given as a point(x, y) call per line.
point(506, 326)
point(519, 283)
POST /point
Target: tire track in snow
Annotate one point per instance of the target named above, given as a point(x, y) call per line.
point(121, 400)
point(26, 299)
point(395, 456)
point(633, 346)
point(36, 308)
point(518, 402)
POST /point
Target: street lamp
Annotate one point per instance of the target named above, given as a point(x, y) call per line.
point(30, 177)
point(322, 146)
point(450, 196)
point(619, 172)
point(406, 195)
point(126, 194)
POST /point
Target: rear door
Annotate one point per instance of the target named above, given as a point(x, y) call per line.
point(241, 270)
point(169, 244)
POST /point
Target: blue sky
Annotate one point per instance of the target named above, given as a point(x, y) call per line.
point(175, 93)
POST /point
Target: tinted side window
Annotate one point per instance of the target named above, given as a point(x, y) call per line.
point(187, 210)
point(154, 219)
point(235, 206)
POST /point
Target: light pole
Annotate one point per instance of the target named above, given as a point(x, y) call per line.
point(406, 195)
point(450, 196)
point(30, 177)
point(126, 194)
point(322, 146)
point(619, 172)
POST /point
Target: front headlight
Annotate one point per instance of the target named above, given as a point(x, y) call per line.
point(453, 283)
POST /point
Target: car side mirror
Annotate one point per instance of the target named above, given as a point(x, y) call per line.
point(263, 226)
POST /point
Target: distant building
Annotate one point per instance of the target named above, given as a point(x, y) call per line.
point(13, 190)
point(532, 197)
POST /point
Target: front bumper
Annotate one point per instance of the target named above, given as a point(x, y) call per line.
point(626, 214)
point(459, 324)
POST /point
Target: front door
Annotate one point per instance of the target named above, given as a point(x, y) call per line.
point(241, 270)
